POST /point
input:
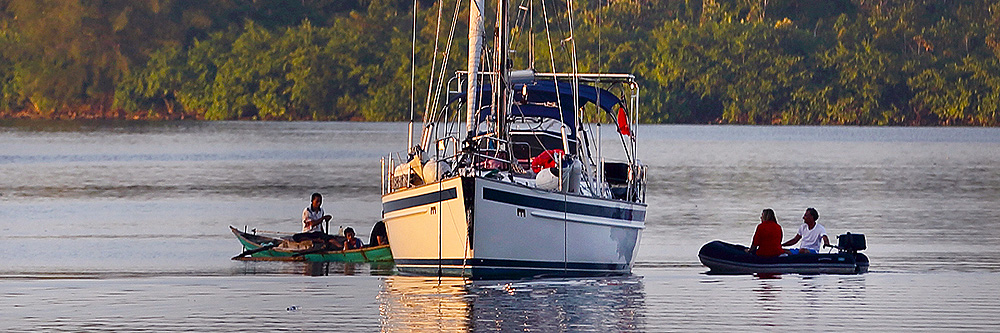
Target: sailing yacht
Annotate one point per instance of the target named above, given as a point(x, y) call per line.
point(521, 188)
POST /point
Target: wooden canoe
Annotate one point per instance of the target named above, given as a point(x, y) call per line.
point(264, 248)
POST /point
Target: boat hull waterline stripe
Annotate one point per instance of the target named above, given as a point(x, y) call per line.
point(419, 200)
point(552, 265)
point(553, 205)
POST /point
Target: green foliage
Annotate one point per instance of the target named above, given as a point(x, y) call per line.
point(72, 51)
point(302, 72)
point(965, 93)
point(859, 62)
point(730, 72)
point(9, 81)
point(829, 62)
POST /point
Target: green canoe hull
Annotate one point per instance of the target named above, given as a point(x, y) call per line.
point(379, 253)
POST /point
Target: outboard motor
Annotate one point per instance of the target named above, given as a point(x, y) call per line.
point(851, 242)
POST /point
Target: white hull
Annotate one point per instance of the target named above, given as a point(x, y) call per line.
point(515, 231)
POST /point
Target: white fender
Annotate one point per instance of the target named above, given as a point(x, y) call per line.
point(435, 170)
point(546, 180)
point(572, 175)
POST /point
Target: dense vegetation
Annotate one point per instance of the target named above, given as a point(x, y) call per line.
point(864, 62)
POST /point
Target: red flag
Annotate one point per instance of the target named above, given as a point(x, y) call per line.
point(623, 122)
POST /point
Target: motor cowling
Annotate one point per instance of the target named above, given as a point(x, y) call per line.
point(851, 242)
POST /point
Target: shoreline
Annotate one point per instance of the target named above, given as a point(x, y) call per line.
point(149, 115)
point(96, 115)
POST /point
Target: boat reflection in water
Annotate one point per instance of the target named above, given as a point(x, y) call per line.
point(316, 268)
point(410, 303)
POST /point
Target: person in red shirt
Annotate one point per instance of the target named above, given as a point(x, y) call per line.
point(767, 237)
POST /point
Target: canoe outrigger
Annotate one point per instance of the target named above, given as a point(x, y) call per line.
point(265, 248)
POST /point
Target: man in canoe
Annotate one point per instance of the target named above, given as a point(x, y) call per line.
point(767, 237)
point(810, 232)
point(314, 216)
point(312, 223)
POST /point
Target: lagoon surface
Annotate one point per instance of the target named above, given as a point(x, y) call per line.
point(122, 226)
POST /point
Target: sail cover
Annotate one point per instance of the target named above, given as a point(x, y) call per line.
point(538, 99)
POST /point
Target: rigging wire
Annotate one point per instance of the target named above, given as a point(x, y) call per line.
point(524, 18)
point(531, 36)
point(552, 60)
point(576, 84)
point(447, 56)
point(428, 115)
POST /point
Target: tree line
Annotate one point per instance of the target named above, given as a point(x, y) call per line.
point(857, 62)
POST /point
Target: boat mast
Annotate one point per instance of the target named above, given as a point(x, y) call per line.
point(502, 85)
point(413, 84)
point(475, 50)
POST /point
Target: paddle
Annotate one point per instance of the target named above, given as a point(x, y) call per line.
point(250, 252)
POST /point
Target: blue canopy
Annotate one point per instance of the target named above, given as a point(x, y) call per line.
point(540, 100)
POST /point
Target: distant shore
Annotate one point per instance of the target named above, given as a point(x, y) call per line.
point(90, 114)
point(121, 115)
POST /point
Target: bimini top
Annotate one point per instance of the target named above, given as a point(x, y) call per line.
point(539, 99)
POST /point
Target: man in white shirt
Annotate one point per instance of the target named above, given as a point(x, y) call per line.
point(314, 216)
point(312, 223)
point(810, 233)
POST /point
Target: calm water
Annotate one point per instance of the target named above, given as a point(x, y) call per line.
point(123, 227)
